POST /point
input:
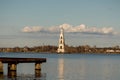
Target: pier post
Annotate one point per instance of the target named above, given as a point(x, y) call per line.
point(37, 69)
point(12, 68)
point(1, 69)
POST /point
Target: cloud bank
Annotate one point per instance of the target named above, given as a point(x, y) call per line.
point(71, 29)
point(32, 29)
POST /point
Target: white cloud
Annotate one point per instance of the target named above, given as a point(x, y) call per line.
point(66, 27)
point(71, 29)
point(26, 29)
point(32, 29)
point(53, 29)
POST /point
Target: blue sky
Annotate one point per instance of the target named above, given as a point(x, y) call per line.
point(36, 22)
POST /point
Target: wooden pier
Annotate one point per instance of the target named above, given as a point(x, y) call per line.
point(12, 65)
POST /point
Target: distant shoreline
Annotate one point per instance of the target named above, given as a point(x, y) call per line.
point(84, 49)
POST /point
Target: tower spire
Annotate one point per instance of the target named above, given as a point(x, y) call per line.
point(61, 44)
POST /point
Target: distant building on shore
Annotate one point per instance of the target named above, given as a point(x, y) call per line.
point(61, 44)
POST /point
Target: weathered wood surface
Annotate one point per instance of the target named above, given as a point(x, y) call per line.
point(22, 60)
point(1, 67)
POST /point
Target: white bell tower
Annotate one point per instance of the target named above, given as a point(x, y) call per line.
point(61, 45)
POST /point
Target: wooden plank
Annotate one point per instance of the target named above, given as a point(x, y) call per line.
point(22, 60)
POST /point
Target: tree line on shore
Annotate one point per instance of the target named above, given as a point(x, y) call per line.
point(68, 49)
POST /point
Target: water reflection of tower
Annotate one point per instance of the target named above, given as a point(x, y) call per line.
point(61, 69)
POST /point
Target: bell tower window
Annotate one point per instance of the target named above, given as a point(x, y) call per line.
point(60, 47)
point(61, 42)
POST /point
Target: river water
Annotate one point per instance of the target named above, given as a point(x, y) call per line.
point(68, 67)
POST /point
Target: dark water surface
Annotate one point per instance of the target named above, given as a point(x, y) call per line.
point(68, 67)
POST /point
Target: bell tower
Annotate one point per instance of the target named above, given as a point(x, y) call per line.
point(61, 45)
